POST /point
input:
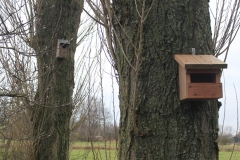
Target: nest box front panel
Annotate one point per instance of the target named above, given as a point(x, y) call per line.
point(204, 90)
point(62, 48)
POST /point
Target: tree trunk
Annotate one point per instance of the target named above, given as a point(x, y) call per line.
point(57, 19)
point(154, 123)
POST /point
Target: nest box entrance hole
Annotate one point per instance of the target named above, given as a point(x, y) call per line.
point(203, 78)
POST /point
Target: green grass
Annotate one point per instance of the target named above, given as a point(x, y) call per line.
point(225, 155)
point(100, 154)
point(226, 152)
point(83, 151)
point(88, 154)
point(112, 155)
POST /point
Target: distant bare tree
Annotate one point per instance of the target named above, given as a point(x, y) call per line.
point(91, 120)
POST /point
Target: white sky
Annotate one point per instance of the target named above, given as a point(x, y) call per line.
point(232, 77)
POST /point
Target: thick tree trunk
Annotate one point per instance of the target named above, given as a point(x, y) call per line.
point(51, 114)
point(154, 123)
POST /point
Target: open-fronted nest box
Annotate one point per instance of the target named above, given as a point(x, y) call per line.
point(62, 48)
point(199, 77)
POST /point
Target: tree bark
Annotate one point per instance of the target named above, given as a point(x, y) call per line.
point(154, 123)
point(57, 19)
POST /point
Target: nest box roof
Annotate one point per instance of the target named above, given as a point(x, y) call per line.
point(199, 61)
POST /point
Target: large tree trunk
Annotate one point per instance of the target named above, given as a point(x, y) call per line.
point(56, 19)
point(154, 123)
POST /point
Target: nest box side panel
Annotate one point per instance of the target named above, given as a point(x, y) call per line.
point(184, 78)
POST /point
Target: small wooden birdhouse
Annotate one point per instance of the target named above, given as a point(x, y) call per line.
point(199, 77)
point(62, 48)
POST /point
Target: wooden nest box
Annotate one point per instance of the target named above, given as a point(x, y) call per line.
point(62, 48)
point(199, 77)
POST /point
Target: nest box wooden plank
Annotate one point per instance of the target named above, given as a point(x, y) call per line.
point(199, 77)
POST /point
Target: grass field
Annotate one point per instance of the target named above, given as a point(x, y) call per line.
point(226, 152)
point(97, 151)
point(83, 151)
point(225, 155)
point(88, 154)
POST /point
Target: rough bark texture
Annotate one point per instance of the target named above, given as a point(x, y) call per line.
point(154, 123)
point(51, 114)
